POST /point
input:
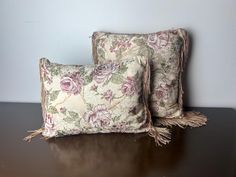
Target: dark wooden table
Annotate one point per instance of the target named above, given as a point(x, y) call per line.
point(208, 151)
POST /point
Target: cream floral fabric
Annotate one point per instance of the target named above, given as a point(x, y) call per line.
point(167, 51)
point(95, 98)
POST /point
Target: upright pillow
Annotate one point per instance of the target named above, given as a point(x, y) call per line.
point(103, 98)
point(168, 51)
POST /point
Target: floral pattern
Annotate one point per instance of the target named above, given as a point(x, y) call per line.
point(108, 95)
point(119, 45)
point(93, 98)
point(99, 116)
point(158, 40)
point(167, 51)
point(104, 72)
point(129, 86)
point(94, 87)
point(72, 83)
point(162, 92)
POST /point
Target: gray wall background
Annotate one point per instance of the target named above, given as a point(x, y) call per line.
point(60, 30)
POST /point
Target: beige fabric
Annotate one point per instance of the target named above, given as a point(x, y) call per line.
point(167, 51)
point(102, 98)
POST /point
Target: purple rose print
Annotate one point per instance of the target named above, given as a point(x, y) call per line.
point(129, 87)
point(120, 44)
point(48, 125)
point(72, 83)
point(162, 92)
point(158, 40)
point(108, 95)
point(104, 72)
point(98, 116)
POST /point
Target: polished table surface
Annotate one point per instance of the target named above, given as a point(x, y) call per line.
point(209, 151)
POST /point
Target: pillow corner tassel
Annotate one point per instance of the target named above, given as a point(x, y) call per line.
point(160, 135)
point(194, 119)
point(33, 133)
point(189, 118)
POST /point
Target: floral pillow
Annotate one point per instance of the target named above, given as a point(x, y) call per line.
point(168, 52)
point(103, 98)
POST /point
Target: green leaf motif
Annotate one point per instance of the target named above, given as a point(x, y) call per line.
point(88, 79)
point(176, 45)
point(162, 104)
point(117, 79)
point(101, 53)
point(157, 70)
point(73, 114)
point(54, 95)
point(106, 82)
point(145, 51)
point(174, 83)
point(64, 112)
point(89, 106)
point(136, 76)
point(82, 70)
point(123, 68)
point(52, 110)
point(116, 118)
point(55, 70)
point(77, 123)
point(139, 42)
point(140, 119)
point(61, 133)
point(69, 119)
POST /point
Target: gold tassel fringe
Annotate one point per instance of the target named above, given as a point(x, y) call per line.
point(32, 134)
point(161, 135)
point(190, 118)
